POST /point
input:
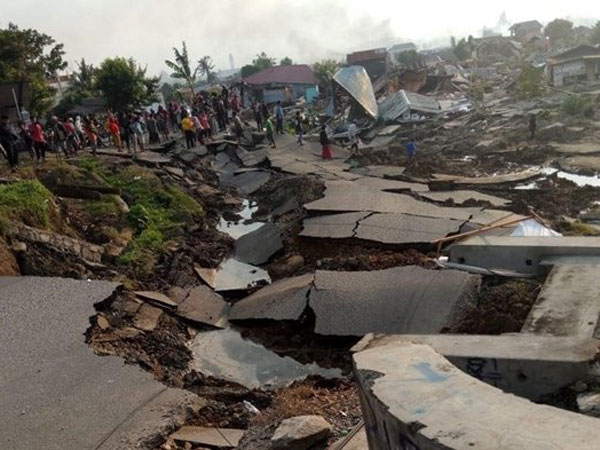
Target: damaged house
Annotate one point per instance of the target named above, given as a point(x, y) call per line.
point(578, 64)
point(527, 32)
point(375, 61)
point(284, 83)
point(407, 106)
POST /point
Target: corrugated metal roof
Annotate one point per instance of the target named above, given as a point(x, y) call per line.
point(356, 82)
point(395, 105)
point(294, 74)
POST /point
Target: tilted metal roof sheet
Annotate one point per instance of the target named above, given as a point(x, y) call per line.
point(356, 81)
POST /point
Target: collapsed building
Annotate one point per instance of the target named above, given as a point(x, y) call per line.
point(577, 64)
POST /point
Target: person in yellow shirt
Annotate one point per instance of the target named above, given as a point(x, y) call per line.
point(187, 125)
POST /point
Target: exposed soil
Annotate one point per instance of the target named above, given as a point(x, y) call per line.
point(502, 307)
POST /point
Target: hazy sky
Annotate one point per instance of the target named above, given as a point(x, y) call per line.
point(305, 30)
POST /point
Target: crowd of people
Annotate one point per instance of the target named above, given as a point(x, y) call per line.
point(208, 114)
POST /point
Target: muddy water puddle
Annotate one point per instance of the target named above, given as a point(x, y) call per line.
point(224, 354)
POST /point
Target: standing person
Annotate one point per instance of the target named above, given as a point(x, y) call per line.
point(152, 125)
point(198, 128)
point(238, 127)
point(258, 117)
point(26, 137)
point(39, 140)
point(326, 147)
point(532, 125)
point(264, 111)
point(71, 133)
point(115, 132)
point(80, 132)
point(92, 134)
point(411, 149)
point(8, 140)
point(138, 132)
point(221, 114)
point(279, 116)
point(299, 127)
point(187, 125)
point(206, 128)
point(270, 132)
point(353, 141)
point(60, 137)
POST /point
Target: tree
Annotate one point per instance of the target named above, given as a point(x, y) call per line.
point(83, 80)
point(530, 83)
point(558, 30)
point(124, 84)
point(595, 37)
point(324, 71)
point(248, 69)
point(206, 68)
point(181, 68)
point(287, 61)
point(30, 56)
point(262, 61)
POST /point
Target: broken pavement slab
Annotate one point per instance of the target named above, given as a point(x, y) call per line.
point(147, 317)
point(578, 148)
point(285, 299)
point(460, 197)
point(203, 305)
point(156, 297)
point(516, 177)
point(405, 229)
point(400, 300)
point(55, 391)
point(333, 226)
point(409, 383)
point(233, 275)
point(258, 246)
point(246, 183)
point(213, 437)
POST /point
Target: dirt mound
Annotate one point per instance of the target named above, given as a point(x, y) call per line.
point(8, 262)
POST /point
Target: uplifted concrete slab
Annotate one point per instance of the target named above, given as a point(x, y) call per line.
point(522, 364)
point(283, 300)
point(579, 148)
point(246, 183)
point(56, 393)
point(233, 275)
point(399, 300)
point(404, 228)
point(576, 163)
point(203, 305)
point(460, 197)
point(569, 303)
point(258, 246)
point(333, 226)
point(407, 384)
point(496, 179)
point(213, 437)
point(384, 171)
point(378, 184)
point(345, 196)
point(251, 158)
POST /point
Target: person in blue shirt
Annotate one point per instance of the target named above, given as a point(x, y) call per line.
point(411, 149)
point(279, 115)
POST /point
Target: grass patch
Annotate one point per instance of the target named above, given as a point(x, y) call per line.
point(27, 201)
point(94, 166)
point(577, 229)
point(156, 210)
point(102, 208)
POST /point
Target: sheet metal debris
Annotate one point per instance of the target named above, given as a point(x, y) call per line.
point(356, 81)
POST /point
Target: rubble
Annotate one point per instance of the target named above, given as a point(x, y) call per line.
point(300, 433)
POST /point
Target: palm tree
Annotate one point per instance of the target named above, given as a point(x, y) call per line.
point(206, 67)
point(181, 68)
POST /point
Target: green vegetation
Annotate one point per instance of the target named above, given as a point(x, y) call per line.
point(577, 229)
point(530, 83)
point(93, 165)
point(577, 106)
point(595, 37)
point(261, 62)
point(156, 212)
point(26, 201)
point(102, 208)
point(324, 71)
point(124, 84)
point(559, 30)
point(28, 56)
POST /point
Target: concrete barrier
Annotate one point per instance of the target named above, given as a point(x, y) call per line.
point(415, 399)
point(522, 364)
point(520, 254)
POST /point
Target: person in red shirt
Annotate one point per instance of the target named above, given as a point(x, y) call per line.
point(115, 131)
point(39, 139)
point(205, 125)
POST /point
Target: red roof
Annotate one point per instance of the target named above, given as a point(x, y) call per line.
point(294, 74)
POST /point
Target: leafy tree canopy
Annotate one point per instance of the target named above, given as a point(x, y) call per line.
point(324, 71)
point(124, 84)
point(287, 61)
point(559, 30)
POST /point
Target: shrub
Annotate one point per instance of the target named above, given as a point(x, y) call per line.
point(26, 201)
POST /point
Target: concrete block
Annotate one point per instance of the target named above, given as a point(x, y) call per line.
point(520, 254)
point(414, 398)
point(525, 365)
